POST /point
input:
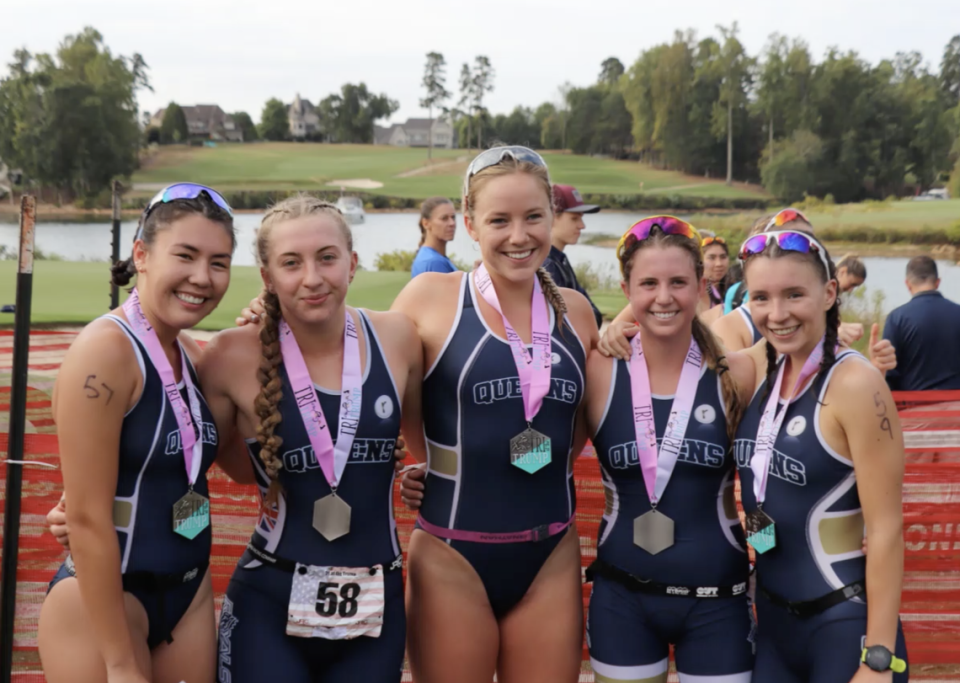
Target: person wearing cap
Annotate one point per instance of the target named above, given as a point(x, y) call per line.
point(568, 210)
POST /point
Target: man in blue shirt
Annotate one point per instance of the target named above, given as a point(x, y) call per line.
point(925, 332)
point(568, 210)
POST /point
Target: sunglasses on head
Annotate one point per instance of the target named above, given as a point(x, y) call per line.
point(496, 155)
point(783, 217)
point(668, 225)
point(181, 191)
point(707, 241)
point(787, 240)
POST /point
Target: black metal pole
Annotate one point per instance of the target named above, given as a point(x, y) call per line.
point(18, 416)
point(115, 243)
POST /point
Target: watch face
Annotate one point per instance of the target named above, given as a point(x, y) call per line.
point(878, 658)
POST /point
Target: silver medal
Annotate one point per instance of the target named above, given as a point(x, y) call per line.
point(331, 517)
point(530, 450)
point(191, 515)
point(653, 531)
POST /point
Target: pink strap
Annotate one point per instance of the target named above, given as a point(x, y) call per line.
point(771, 421)
point(658, 465)
point(540, 533)
point(534, 371)
point(143, 330)
point(332, 459)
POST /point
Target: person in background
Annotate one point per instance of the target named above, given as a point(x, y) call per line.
point(924, 331)
point(568, 210)
point(851, 273)
point(716, 261)
point(438, 225)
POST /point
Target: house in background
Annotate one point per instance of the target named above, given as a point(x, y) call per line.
point(206, 122)
point(303, 117)
point(416, 133)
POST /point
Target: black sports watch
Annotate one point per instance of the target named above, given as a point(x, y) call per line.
point(879, 658)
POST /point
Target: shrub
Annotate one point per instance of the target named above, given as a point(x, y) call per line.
point(401, 261)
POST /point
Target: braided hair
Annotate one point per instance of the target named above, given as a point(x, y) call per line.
point(268, 374)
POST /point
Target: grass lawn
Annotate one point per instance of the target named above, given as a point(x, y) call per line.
point(285, 166)
point(74, 292)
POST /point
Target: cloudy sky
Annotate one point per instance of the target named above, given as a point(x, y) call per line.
point(239, 53)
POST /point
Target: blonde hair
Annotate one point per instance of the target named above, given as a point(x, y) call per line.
point(474, 184)
point(267, 401)
point(705, 338)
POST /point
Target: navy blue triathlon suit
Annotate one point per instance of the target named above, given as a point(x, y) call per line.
point(254, 645)
point(162, 569)
point(748, 319)
point(812, 497)
point(472, 407)
point(628, 631)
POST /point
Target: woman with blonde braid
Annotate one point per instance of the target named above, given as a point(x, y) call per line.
point(318, 594)
point(494, 576)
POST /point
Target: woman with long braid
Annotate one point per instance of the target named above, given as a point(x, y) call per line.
point(821, 460)
point(318, 594)
point(494, 575)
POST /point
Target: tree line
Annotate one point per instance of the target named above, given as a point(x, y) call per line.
point(841, 126)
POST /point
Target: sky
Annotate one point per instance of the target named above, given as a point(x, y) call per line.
point(240, 53)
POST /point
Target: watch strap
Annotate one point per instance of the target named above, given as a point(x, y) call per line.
point(897, 665)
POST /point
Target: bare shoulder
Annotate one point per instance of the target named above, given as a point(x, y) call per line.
point(729, 323)
point(744, 370)
point(426, 291)
point(101, 339)
point(394, 328)
point(856, 381)
point(101, 360)
point(231, 348)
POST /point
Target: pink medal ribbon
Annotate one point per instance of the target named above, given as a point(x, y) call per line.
point(534, 371)
point(771, 421)
point(658, 465)
point(186, 418)
point(332, 459)
point(716, 293)
point(760, 527)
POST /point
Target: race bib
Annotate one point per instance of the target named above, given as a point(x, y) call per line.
point(336, 603)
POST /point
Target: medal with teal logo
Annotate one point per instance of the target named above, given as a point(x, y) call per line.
point(191, 514)
point(530, 450)
point(761, 531)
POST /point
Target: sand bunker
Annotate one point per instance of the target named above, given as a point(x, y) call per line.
point(358, 183)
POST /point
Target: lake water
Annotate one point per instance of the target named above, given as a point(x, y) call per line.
point(386, 232)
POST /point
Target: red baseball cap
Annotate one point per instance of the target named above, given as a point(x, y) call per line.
point(566, 198)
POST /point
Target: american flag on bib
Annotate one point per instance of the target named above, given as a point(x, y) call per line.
point(336, 603)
